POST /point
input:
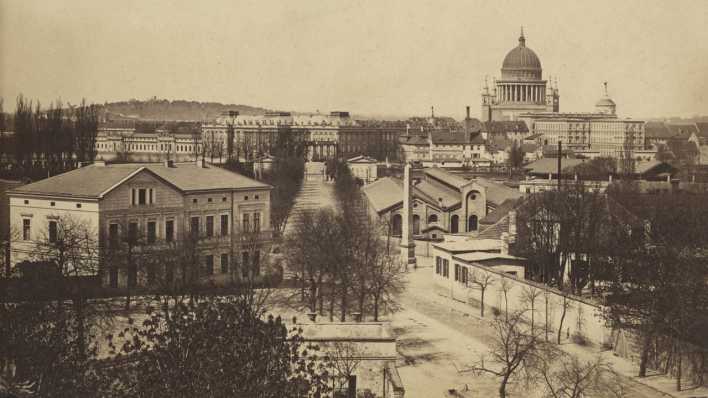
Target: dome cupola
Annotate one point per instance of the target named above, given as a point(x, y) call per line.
point(521, 63)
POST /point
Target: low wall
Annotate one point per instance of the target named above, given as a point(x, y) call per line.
point(582, 317)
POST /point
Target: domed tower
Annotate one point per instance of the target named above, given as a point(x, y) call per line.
point(605, 104)
point(521, 88)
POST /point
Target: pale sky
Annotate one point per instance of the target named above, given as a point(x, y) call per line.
point(372, 57)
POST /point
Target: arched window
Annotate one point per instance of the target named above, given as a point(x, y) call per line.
point(397, 225)
point(432, 218)
point(454, 224)
point(416, 225)
point(472, 223)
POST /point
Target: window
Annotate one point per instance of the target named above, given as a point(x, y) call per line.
point(246, 223)
point(151, 231)
point(194, 201)
point(224, 224)
point(457, 272)
point(194, 227)
point(256, 197)
point(245, 198)
point(78, 205)
point(142, 196)
point(433, 218)
point(209, 200)
point(224, 263)
point(256, 222)
point(223, 199)
point(26, 229)
point(52, 204)
point(26, 202)
point(438, 265)
point(209, 264)
point(170, 230)
point(113, 235)
point(133, 232)
point(210, 226)
point(52, 231)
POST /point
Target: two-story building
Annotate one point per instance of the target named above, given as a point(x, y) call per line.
point(151, 206)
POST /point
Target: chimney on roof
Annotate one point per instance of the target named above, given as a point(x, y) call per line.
point(468, 112)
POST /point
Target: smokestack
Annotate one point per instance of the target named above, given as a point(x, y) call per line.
point(468, 112)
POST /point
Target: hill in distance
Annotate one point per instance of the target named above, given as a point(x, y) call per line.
point(161, 109)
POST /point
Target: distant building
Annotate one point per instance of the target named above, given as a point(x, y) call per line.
point(364, 168)
point(137, 141)
point(521, 88)
point(161, 203)
point(323, 136)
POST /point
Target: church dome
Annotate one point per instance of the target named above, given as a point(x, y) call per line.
point(521, 63)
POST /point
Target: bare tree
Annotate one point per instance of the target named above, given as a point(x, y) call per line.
point(529, 296)
point(483, 280)
point(566, 376)
point(512, 351)
point(565, 305)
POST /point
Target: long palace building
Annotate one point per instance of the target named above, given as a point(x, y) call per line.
point(324, 137)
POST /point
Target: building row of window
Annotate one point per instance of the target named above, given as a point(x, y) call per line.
point(52, 203)
point(442, 267)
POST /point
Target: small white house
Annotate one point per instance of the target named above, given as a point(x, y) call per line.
point(363, 168)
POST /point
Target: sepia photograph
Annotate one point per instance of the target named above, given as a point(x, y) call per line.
point(353, 199)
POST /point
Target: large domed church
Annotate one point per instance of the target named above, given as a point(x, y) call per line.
point(521, 88)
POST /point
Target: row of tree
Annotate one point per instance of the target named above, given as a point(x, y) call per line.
point(48, 141)
point(342, 259)
point(642, 255)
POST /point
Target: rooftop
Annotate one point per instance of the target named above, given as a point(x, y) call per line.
point(498, 193)
point(94, 181)
point(469, 245)
point(361, 159)
point(482, 256)
point(550, 165)
point(446, 177)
